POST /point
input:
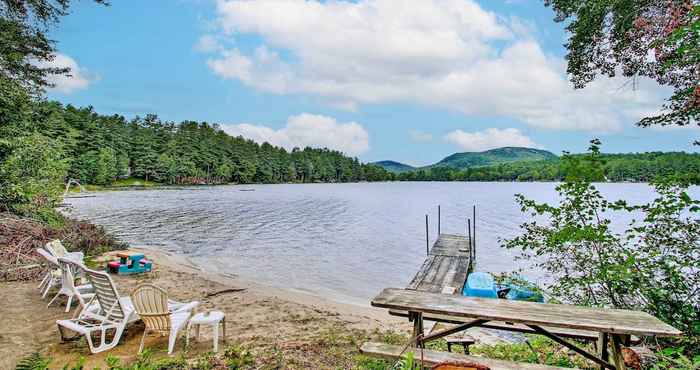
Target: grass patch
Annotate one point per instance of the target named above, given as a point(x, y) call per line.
point(133, 182)
point(130, 182)
point(540, 350)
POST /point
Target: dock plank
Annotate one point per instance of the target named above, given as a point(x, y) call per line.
point(451, 245)
point(445, 267)
point(439, 272)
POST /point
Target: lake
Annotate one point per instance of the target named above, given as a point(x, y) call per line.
point(342, 241)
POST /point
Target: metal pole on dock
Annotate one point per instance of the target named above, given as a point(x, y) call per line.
point(474, 231)
point(469, 232)
point(427, 238)
point(439, 219)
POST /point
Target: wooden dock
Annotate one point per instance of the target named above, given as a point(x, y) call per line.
point(446, 267)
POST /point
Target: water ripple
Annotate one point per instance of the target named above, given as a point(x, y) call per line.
point(346, 241)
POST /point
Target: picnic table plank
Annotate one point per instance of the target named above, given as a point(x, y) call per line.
point(606, 320)
point(509, 326)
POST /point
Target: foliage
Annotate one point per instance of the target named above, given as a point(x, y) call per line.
point(494, 157)
point(408, 362)
point(673, 358)
point(104, 149)
point(653, 265)
point(637, 167)
point(35, 361)
point(31, 175)
point(650, 38)
point(25, 49)
point(537, 350)
point(370, 363)
point(78, 365)
point(394, 167)
point(237, 357)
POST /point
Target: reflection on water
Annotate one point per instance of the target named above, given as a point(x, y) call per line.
point(344, 241)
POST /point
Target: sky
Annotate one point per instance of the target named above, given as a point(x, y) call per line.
point(405, 80)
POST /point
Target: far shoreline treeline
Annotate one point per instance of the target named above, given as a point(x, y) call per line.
point(100, 149)
point(632, 167)
point(107, 149)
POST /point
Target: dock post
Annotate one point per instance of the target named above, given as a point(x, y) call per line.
point(474, 231)
point(439, 219)
point(469, 232)
point(427, 238)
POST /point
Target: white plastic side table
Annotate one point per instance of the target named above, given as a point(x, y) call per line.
point(213, 319)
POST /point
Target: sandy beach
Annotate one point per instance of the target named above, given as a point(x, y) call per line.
point(289, 329)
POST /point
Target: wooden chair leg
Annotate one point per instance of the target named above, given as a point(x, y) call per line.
point(143, 337)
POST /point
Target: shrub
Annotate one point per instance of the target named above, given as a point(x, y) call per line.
point(653, 265)
point(31, 175)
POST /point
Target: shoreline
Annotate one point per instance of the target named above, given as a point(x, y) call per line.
point(158, 186)
point(347, 310)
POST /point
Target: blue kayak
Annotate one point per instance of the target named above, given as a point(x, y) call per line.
point(519, 293)
point(480, 284)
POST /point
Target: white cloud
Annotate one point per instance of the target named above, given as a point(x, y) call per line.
point(308, 130)
point(79, 78)
point(445, 53)
point(489, 139)
point(208, 44)
point(419, 136)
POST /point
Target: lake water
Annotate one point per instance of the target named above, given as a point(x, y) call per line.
point(343, 241)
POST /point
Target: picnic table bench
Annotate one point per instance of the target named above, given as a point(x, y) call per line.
point(614, 327)
point(432, 358)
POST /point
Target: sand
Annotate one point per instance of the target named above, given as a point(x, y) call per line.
point(293, 330)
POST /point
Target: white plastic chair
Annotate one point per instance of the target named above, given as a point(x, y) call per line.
point(83, 293)
point(106, 311)
point(56, 248)
point(52, 277)
point(161, 315)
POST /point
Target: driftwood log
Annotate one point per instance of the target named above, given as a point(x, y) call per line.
point(224, 291)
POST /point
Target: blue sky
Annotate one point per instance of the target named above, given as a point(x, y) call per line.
point(381, 79)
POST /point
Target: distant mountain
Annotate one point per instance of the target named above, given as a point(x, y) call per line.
point(395, 167)
point(494, 157)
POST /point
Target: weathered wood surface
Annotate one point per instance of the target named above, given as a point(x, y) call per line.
point(446, 267)
point(431, 358)
point(553, 315)
point(438, 272)
point(451, 245)
point(501, 325)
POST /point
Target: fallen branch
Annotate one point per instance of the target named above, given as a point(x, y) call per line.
point(231, 290)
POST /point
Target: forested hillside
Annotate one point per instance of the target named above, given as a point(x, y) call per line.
point(393, 166)
point(636, 167)
point(99, 149)
point(493, 157)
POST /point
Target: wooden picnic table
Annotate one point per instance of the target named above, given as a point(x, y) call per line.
point(614, 326)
